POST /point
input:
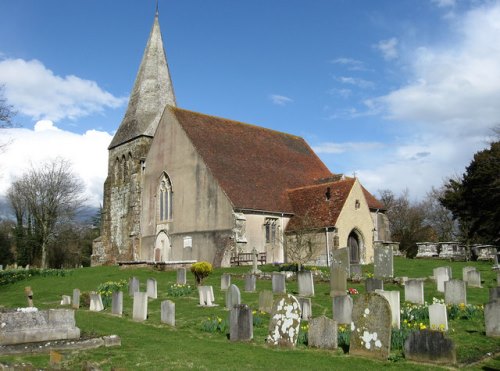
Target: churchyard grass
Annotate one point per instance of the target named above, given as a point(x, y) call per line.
point(152, 345)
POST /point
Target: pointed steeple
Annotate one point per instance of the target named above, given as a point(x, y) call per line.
point(152, 91)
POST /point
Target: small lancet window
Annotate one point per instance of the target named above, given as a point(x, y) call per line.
point(165, 198)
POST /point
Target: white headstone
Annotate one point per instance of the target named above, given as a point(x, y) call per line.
point(474, 278)
point(455, 292)
point(438, 318)
point(168, 312)
point(414, 291)
point(152, 288)
point(181, 276)
point(306, 308)
point(233, 297)
point(140, 306)
point(305, 283)
point(96, 302)
point(66, 300)
point(342, 309)
point(393, 299)
point(225, 281)
point(206, 296)
point(441, 274)
point(250, 282)
point(278, 283)
point(117, 303)
point(466, 270)
point(76, 299)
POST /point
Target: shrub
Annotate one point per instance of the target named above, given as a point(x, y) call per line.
point(15, 275)
point(106, 290)
point(201, 270)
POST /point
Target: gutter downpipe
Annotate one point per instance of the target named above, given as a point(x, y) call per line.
point(327, 248)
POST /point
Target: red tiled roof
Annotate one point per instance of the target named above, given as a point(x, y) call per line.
point(373, 203)
point(311, 208)
point(254, 166)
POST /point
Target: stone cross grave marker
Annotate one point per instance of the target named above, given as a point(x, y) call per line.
point(438, 318)
point(466, 270)
point(225, 281)
point(152, 288)
point(305, 308)
point(305, 283)
point(255, 269)
point(414, 291)
point(441, 275)
point(383, 266)
point(342, 309)
point(491, 318)
point(206, 296)
point(241, 323)
point(181, 276)
point(168, 312)
point(133, 286)
point(140, 306)
point(95, 302)
point(76, 299)
point(233, 297)
point(430, 347)
point(278, 283)
point(455, 292)
point(322, 333)
point(117, 303)
point(266, 301)
point(250, 282)
point(474, 278)
point(371, 328)
point(285, 322)
point(372, 284)
point(393, 299)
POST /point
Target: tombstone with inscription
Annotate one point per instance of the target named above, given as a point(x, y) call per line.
point(455, 292)
point(383, 266)
point(285, 322)
point(240, 323)
point(305, 283)
point(322, 333)
point(233, 297)
point(414, 291)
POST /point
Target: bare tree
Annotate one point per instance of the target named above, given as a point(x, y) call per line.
point(301, 244)
point(49, 196)
point(7, 111)
point(439, 217)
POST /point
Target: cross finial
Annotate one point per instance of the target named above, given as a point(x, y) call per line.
point(156, 7)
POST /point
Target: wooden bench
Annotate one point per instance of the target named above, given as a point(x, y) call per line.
point(247, 257)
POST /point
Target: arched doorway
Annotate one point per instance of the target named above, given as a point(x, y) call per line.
point(162, 250)
point(354, 242)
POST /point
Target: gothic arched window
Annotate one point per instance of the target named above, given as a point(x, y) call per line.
point(165, 198)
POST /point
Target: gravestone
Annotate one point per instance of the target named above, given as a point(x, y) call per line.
point(393, 299)
point(491, 318)
point(95, 302)
point(233, 297)
point(305, 283)
point(455, 292)
point(117, 303)
point(356, 272)
point(285, 322)
point(133, 285)
point(474, 279)
point(278, 282)
point(29, 295)
point(255, 255)
point(441, 275)
point(466, 270)
point(338, 280)
point(305, 308)
point(241, 323)
point(168, 312)
point(372, 284)
point(342, 309)
point(250, 282)
point(206, 296)
point(76, 299)
point(66, 300)
point(383, 266)
point(414, 291)
point(181, 276)
point(430, 347)
point(438, 318)
point(152, 288)
point(225, 281)
point(266, 300)
point(140, 306)
point(322, 333)
point(371, 328)
point(494, 293)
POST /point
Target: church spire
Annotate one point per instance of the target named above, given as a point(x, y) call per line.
point(152, 91)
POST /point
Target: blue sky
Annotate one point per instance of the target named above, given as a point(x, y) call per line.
point(402, 93)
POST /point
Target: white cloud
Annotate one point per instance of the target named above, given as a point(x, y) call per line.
point(356, 81)
point(280, 100)
point(444, 3)
point(329, 147)
point(388, 48)
point(351, 64)
point(37, 92)
point(87, 153)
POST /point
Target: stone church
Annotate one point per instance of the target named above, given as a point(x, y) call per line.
point(183, 186)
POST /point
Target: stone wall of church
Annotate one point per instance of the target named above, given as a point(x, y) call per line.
point(120, 220)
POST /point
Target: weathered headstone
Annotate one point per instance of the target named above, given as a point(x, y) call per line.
point(383, 266)
point(168, 312)
point(393, 299)
point(140, 306)
point(356, 271)
point(372, 284)
point(76, 299)
point(206, 296)
point(338, 280)
point(494, 293)
point(438, 318)
point(233, 297)
point(225, 281)
point(342, 309)
point(455, 292)
point(181, 276)
point(322, 333)
point(66, 300)
point(278, 283)
point(466, 270)
point(133, 286)
point(474, 279)
point(414, 291)
point(240, 323)
point(266, 301)
point(430, 346)
point(491, 318)
point(29, 295)
point(95, 302)
point(305, 308)
point(250, 282)
point(340, 258)
point(441, 275)
point(152, 288)
point(371, 328)
point(285, 322)
point(117, 303)
point(305, 283)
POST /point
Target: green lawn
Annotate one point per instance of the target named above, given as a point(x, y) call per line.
point(154, 346)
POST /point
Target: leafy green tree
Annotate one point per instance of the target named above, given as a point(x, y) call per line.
point(474, 199)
